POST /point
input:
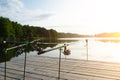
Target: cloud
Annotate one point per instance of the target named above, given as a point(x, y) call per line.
point(15, 10)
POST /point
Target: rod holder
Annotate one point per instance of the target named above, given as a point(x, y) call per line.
point(59, 64)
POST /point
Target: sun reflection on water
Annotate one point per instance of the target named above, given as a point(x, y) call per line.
point(101, 49)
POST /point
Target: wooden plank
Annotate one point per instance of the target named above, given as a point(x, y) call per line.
point(46, 68)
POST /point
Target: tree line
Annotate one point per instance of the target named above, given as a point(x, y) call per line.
point(10, 30)
point(13, 31)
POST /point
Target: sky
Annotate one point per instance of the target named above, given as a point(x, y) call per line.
point(74, 16)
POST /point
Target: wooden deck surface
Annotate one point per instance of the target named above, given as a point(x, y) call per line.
point(46, 68)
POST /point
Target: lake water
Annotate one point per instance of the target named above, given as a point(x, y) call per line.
point(99, 49)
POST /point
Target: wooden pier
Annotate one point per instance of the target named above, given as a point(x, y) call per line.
point(46, 68)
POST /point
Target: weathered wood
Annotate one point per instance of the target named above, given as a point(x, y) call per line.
point(46, 68)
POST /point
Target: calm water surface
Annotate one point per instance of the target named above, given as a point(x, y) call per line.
point(98, 49)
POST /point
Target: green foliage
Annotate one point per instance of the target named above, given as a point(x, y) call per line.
point(10, 30)
point(17, 28)
point(6, 29)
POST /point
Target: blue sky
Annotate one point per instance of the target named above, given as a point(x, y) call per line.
point(75, 16)
point(42, 4)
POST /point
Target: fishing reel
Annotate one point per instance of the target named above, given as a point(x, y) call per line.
point(66, 51)
point(40, 51)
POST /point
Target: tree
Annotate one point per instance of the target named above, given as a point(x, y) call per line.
point(18, 30)
point(6, 29)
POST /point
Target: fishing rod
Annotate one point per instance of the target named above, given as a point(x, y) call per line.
point(26, 43)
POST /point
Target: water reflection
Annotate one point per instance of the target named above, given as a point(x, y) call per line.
point(39, 47)
point(98, 49)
